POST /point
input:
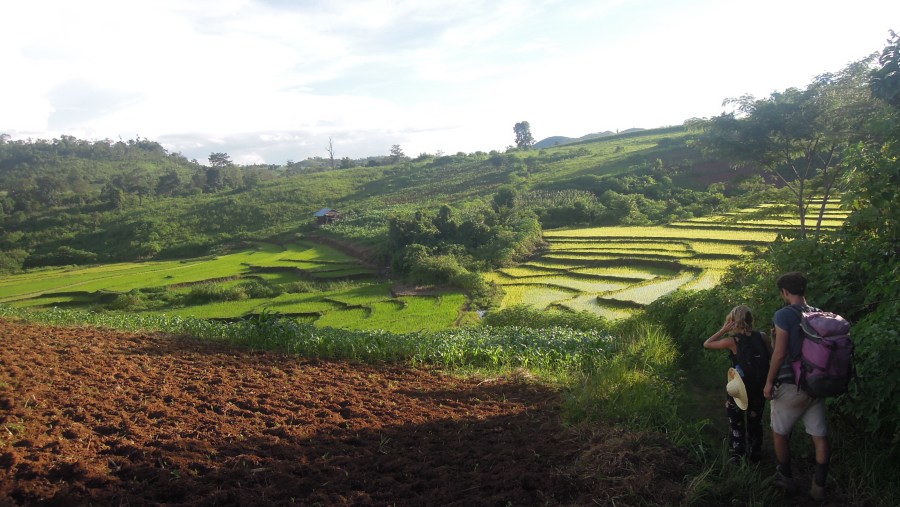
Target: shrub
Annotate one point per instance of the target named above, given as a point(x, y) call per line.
point(527, 316)
point(212, 292)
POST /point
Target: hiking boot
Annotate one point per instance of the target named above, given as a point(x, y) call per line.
point(784, 482)
point(817, 492)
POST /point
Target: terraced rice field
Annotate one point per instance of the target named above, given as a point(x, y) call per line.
point(612, 271)
point(353, 299)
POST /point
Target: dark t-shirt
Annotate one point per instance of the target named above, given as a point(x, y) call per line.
point(788, 319)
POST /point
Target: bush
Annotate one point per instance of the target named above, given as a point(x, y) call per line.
point(527, 316)
point(259, 289)
point(127, 302)
point(212, 292)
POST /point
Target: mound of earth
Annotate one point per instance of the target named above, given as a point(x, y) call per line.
point(90, 416)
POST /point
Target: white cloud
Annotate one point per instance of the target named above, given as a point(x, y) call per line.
point(268, 80)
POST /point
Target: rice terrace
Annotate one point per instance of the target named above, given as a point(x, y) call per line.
point(210, 422)
point(507, 328)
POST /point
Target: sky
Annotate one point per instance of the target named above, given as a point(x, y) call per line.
point(272, 81)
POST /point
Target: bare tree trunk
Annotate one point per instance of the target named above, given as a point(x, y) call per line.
point(331, 152)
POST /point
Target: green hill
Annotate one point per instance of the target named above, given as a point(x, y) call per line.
point(76, 202)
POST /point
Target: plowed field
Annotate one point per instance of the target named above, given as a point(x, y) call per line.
point(91, 416)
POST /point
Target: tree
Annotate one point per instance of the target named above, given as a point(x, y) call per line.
point(331, 152)
point(885, 82)
point(524, 140)
point(798, 135)
point(138, 182)
point(219, 160)
point(168, 183)
point(397, 153)
point(112, 195)
point(215, 180)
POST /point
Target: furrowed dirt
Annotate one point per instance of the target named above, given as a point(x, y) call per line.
point(91, 416)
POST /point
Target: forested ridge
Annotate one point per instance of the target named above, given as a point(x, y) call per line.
point(70, 201)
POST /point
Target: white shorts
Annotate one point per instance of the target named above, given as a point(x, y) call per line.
point(790, 405)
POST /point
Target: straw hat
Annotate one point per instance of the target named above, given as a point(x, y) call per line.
point(736, 388)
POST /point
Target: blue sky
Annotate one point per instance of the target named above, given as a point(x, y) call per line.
point(273, 80)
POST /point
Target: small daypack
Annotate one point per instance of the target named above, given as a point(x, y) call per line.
point(824, 365)
point(753, 357)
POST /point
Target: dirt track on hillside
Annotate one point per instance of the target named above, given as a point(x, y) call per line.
point(94, 416)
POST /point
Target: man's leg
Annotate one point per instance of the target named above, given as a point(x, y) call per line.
point(782, 450)
point(784, 477)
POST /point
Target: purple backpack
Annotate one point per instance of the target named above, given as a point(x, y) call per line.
point(825, 364)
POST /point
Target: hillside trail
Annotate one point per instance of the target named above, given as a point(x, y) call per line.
point(93, 416)
point(706, 402)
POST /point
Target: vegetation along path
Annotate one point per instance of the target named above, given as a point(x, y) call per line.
point(104, 417)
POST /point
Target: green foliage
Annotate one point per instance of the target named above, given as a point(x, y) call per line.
point(635, 383)
point(210, 292)
point(548, 351)
point(527, 316)
point(12, 261)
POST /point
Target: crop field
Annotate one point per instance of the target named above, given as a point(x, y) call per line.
point(303, 279)
point(611, 271)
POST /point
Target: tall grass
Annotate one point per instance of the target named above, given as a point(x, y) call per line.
point(553, 351)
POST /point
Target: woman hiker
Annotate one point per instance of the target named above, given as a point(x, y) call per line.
point(749, 352)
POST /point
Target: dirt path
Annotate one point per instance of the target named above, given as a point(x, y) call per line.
point(93, 416)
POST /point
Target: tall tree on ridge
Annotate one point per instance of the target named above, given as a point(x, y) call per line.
point(524, 140)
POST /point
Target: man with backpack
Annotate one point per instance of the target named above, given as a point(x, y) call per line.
point(789, 403)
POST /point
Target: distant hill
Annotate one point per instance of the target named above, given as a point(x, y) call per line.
point(561, 140)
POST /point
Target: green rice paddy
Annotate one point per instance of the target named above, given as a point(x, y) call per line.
point(350, 297)
point(611, 271)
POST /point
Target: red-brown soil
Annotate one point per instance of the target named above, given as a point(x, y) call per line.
point(98, 417)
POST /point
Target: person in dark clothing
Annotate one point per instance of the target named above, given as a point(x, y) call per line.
point(749, 351)
point(790, 404)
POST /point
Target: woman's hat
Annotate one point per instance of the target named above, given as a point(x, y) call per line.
point(736, 388)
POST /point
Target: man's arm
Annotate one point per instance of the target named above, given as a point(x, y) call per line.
point(778, 354)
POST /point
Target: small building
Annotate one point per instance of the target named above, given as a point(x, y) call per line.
point(327, 216)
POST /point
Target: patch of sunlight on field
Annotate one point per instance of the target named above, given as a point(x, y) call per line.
point(536, 296)
point(353, 318)
point(571, 256)
point(497, 277)
point(50, 300)
point(309, 251)
point(128, 276)
point(579, 284)
point(278, 278)
point(718, 248)
point(622, 246)
point(302, 303)
point(784, 221)
point(362, 295)
point(661, 231)
point(626, 273)
point(543, 262)
point(218, 310)
point(608, 253)
point(720, 264)
point(650, 292)
point(416, 313)
point(589, 303)
point(708, 279)
point(528, 271)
